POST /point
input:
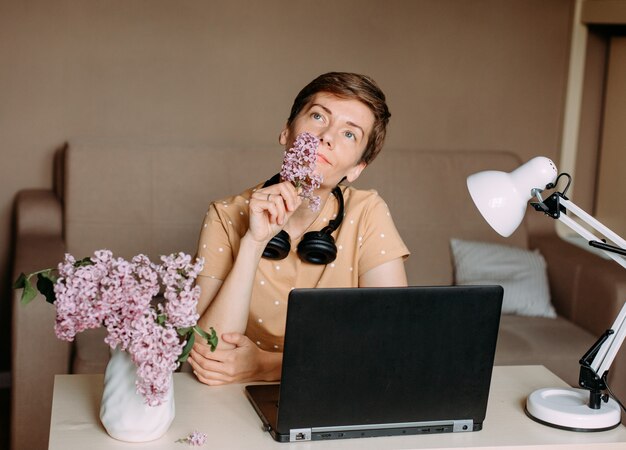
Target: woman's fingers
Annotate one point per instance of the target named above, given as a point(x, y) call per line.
point(277, 201)
point(208, 371)
point(289, 195)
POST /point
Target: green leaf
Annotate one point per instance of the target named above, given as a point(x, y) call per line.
point(214, 340)
point(28, 292)
point(210, 339)
point(84, 262)
point(187, 348)
point(50, 275)
point(183, 331)
point(21, 281)
point(45, 285)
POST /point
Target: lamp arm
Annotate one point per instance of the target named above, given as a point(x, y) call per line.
point(606, 350)
point(604, 246)
point(596, 225)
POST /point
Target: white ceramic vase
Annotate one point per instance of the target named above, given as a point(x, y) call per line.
point(123, 412)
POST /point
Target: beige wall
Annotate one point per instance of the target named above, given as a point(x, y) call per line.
point(459, 74)
point(606, 12)
point(590, 124)
point(610, 204)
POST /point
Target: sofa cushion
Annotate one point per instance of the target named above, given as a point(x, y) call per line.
point(522, 274)
point(557, 344)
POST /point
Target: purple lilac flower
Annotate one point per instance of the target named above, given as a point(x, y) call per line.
point(154, 349)
point(128, 290)
point(299, 167)
point(178, 275)
point(196, 439)
point(78, 303)
point(117, 294)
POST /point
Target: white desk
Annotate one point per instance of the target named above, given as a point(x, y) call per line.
point(226, 416)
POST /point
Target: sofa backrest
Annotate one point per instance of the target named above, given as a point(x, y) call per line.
point(427, 194)
point(133, 198)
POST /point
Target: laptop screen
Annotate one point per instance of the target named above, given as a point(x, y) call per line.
point(359, 356)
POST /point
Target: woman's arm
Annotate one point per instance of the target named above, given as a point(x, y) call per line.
point(237, 358)
point(391, 273)
point(225, 305)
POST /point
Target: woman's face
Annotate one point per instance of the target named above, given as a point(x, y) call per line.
point(343, 127)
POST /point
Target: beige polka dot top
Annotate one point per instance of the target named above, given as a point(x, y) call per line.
point(366, 238)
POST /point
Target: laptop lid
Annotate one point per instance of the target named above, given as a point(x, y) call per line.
point(381, 361)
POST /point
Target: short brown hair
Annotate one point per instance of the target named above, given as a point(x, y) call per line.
point(351, 86)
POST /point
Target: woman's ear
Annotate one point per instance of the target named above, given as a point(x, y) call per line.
point(354, 173)
point(282, 137)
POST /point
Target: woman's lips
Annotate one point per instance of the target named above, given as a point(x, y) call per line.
point(321, 158)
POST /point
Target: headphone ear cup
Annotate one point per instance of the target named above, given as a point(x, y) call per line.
point(278, 247)
point(317, 247)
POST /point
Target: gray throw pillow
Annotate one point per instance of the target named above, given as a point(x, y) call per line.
point(522, 274)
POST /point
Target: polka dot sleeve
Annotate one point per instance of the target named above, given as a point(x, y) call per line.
point(380, 240)
point(215, 246)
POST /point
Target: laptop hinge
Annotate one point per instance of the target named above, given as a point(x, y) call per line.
point(300, 434)
point(462, 425)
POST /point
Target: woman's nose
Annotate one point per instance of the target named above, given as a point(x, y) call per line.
point(326, 138)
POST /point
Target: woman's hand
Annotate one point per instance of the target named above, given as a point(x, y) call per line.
point(270, 208)
point(246, 362)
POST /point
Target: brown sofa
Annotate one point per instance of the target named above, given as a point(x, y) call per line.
point(135, 198)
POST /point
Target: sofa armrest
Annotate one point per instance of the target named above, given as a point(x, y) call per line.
point(586, 288)
point(37, 355)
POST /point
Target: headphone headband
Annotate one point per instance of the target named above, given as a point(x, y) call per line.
point(316, 247)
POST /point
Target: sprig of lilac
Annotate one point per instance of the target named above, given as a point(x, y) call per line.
point(118, 294)
point(299, 167)
point(196, 439)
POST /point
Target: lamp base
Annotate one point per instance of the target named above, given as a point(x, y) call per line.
point(568, 409)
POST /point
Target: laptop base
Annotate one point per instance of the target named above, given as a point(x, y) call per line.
point(264, 399)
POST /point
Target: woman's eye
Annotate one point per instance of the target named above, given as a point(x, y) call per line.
point(316, 116)
point(350, 135)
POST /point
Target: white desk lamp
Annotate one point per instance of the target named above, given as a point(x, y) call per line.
point(502, 198)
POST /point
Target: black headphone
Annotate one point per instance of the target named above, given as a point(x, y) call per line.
point(316, 247)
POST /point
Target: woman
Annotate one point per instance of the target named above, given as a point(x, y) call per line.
point(244, 295)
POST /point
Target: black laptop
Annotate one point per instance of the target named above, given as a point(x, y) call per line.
point(364, 362)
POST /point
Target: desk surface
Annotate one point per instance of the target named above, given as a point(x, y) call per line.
point(226, 416)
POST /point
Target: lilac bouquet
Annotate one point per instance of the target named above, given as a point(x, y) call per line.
point(299, 167)
point(120, 295)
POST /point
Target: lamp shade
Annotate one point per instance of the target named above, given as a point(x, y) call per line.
point(502, 197)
